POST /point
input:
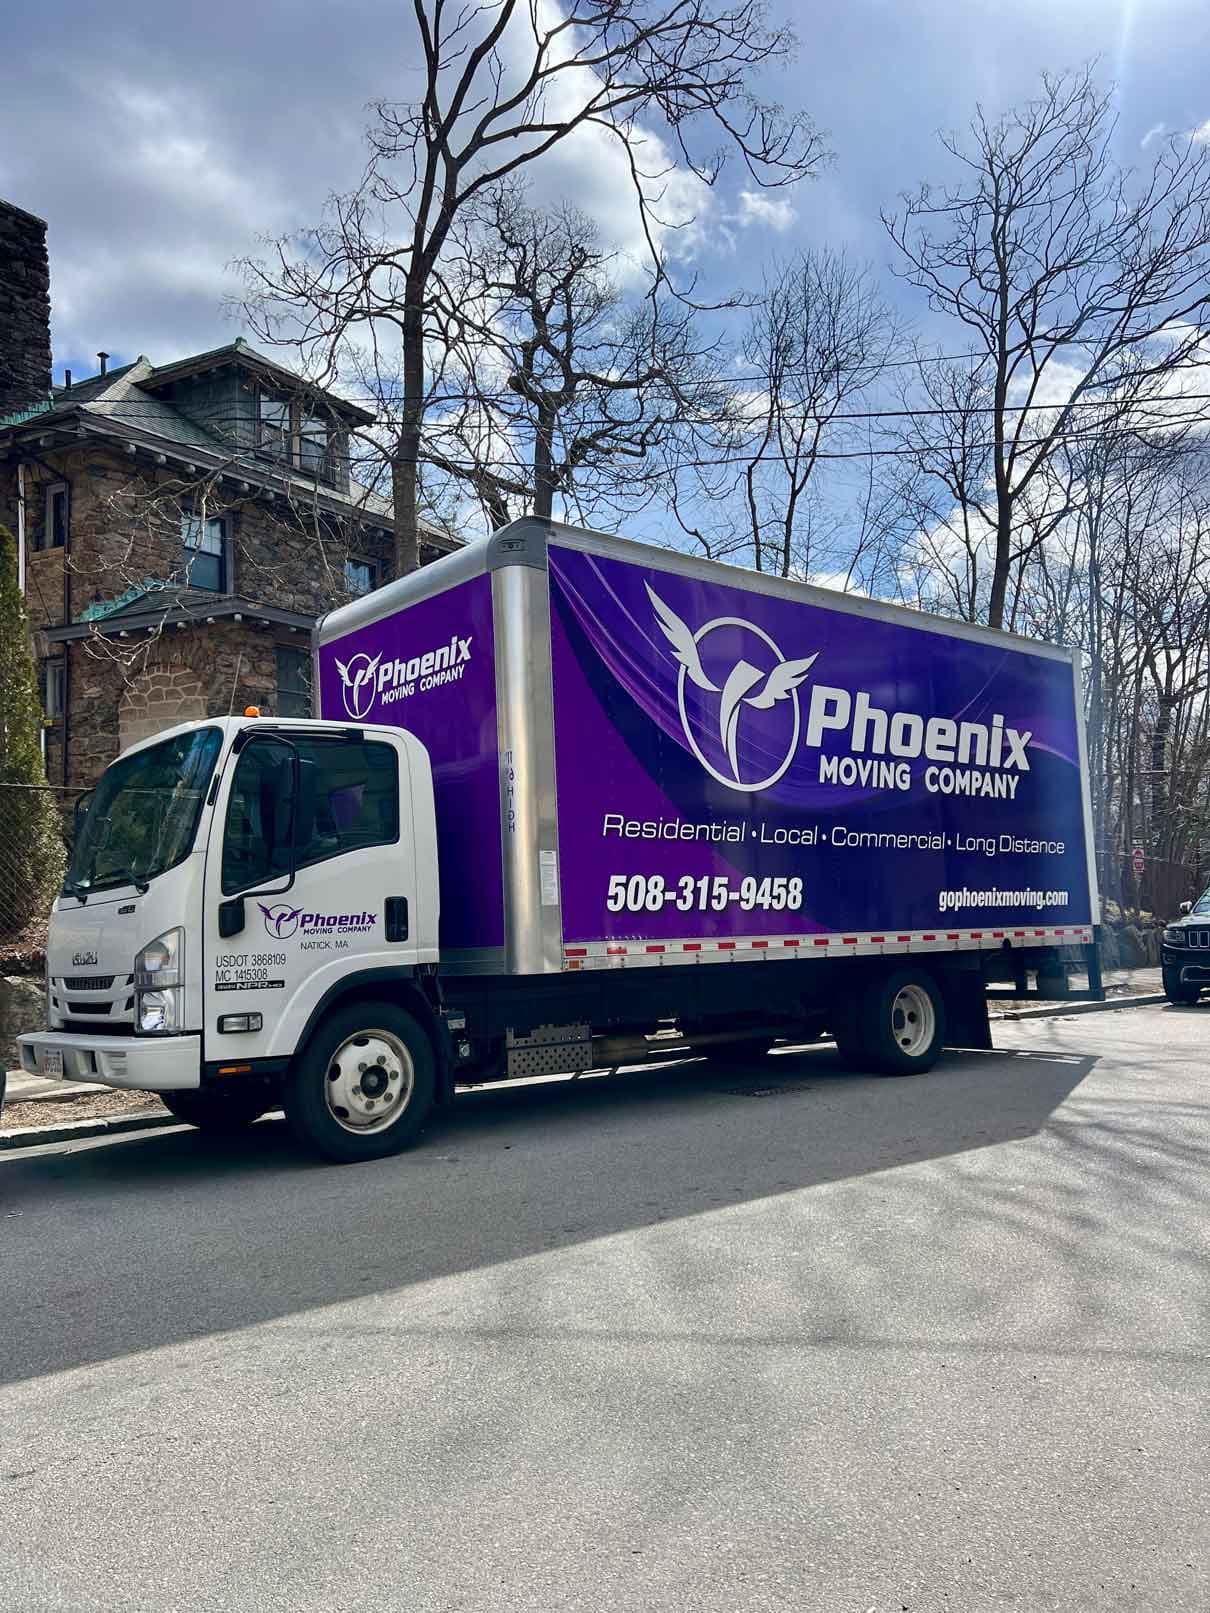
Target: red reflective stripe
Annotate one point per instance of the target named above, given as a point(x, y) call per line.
point(576, 952)
point(726, 946)
point(849, 940)
point(792, 941)
point(758, 944)
point(903, 938)
point(692, 946)
point(880, 938)
point(660, 948)
point(976, 935)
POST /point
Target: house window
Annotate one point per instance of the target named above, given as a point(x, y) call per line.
point(293, 683)
point(55, 527)
point(52, 688)
point(313, 447)
point(204, 539)
point(360, 575)
point(273, 434)
point(288, 430)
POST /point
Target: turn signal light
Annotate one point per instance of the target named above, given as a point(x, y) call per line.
point(240, 1022)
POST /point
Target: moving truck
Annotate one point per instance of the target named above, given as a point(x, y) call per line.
point(570, 797)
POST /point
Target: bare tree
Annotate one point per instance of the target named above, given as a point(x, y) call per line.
point(561, 383)
point(503, 83)
point(817, 338)
point(1067, 272)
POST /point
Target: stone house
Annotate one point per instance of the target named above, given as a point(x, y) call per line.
point(180, 526)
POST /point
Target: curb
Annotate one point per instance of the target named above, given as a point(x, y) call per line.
point(1061, 1010)
point(78, 1130)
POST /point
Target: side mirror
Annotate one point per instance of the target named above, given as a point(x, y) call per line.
point(1186, 907)
point(231, 917)
point(80, 812)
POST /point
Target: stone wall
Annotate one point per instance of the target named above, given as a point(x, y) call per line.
point(24, 310)
point(159, 698)
point(120, 692)
point(22, 1008)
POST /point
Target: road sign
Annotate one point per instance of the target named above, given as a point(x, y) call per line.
point(1138, 862)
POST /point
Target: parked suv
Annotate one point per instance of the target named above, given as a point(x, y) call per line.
point(1186, 952)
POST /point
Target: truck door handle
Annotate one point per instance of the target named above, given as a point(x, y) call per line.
point(395, 918)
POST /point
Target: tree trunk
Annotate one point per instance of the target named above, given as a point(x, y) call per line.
point(405, 463)
point(544, 473)
point(999, 593)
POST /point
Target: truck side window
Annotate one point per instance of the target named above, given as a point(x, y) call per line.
point(348, 799)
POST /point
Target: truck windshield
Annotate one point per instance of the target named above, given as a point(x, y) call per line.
point(144, 813)
point(1202, 905)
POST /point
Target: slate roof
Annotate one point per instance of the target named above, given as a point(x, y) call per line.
point(120, 404)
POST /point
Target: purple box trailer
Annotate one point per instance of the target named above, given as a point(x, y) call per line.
point(677, 796)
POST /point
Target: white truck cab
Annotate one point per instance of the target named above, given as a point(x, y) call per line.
point(226, 876)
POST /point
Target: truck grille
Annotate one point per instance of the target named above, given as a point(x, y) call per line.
point(1197, 938)
point(88, 982)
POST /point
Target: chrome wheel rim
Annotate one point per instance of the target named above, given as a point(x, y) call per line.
point(913, 1021)
point(369, 1082)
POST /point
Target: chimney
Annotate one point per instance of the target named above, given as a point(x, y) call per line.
point(67, 380)
point(103, 360)
point(25, 376)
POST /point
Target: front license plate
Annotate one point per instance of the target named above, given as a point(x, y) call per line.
point(50, 1061)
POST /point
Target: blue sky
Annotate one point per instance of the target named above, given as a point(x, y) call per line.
point(159, 141)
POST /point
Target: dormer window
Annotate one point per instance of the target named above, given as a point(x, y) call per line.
point(292, 430)
point(274, 433)
point(314, 456)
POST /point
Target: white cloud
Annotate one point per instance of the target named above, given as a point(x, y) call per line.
point(1153, 133)
point(1201, 135)
point(761, 207)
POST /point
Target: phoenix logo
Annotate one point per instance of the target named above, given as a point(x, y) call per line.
point(281, 921)
point(357, 683)
point(746, 687)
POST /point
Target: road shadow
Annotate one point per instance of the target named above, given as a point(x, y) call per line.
point(155, 1238)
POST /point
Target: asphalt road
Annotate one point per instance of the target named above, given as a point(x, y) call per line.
point(775, 1338)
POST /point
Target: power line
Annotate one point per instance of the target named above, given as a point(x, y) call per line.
point(1161, 406)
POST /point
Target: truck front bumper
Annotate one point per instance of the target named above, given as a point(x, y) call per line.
point(146, 1063)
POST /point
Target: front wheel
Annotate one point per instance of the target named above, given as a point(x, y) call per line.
point(364, 1085)
point(1178, 993)
point(222, 1114)
point(895, 1025)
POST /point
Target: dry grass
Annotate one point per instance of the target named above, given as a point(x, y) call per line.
point(106, 1105)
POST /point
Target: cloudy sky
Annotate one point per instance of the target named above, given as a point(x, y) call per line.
point(160, 140)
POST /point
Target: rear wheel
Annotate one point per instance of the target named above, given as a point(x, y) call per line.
point(222, 1114)
point(364, 1085)
point(895, 1025)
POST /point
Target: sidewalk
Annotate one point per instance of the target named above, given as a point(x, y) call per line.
point(23, 1088)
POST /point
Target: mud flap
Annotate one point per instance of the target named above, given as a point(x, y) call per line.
point(965, 1009)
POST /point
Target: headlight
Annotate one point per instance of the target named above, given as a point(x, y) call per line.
point(160, 1012)
point(159, 973)
point(161, 962)
point(1174, 936)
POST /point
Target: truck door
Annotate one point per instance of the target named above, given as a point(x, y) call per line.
point(310, 877)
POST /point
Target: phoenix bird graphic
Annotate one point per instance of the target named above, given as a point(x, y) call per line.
point(355, 678)
point(743, 678)
point(277, 918)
